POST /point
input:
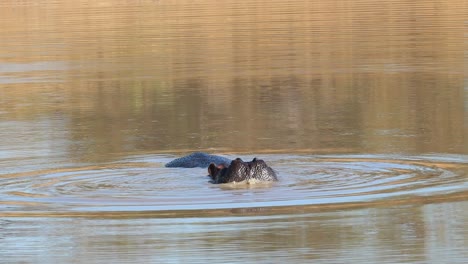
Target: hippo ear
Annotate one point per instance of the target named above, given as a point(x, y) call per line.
point(212, 170)
point(254, 159)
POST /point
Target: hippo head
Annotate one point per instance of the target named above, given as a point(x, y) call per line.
point(239, 171)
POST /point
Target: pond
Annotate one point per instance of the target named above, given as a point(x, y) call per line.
point(359, 107)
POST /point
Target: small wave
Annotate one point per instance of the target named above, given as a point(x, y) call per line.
point(142, 186)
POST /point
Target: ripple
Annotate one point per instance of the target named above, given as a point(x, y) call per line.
point(143, 186)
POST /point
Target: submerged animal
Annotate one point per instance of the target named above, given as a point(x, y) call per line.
point(198, 159)
point(224, 170)
point(240, 170)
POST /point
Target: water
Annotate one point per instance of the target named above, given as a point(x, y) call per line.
point(359, 107)
point(143, 186)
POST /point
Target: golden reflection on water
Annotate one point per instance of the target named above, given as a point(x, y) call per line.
point(97, 81)
point(162, 75)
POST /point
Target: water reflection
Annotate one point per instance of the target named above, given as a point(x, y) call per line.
point(117, 117)
point(399, 234)
point(287, 75)
point(84, 86)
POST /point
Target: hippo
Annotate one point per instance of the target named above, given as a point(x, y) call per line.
point(198, 159)
point(224, 170)
point(240, 170)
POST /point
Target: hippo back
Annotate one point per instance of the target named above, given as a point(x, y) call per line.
point(198, 159)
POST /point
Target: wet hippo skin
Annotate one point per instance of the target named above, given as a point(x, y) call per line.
point(224, 170)
point(240, 170)
point(198, 159)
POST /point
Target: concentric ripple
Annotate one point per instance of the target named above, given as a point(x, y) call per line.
point(142, 185)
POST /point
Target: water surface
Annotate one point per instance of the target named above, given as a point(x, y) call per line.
point(361, 108)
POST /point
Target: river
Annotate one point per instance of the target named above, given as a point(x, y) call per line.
point(361, 107)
